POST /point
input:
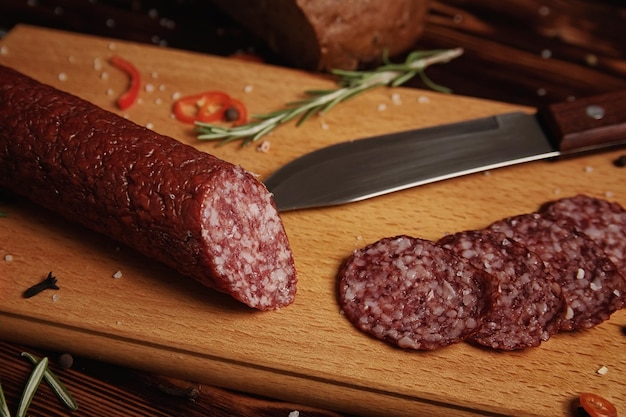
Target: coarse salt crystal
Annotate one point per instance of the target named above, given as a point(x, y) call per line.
point(149, 88)
point(382, 107)
point(248, 89)
point(162, 87)
point(154, 74)
point(395, 98)
point(4, 50)
point(423, 99)
point(588, 169)
point(603, 370)
point(8, 258)
point(149, 126)
point(264, 147)
point(112, 46)
point(55, 298)
point(104, 75)
point(110, 92)
point(62, 76)
point(158, 101)
point(117, 274)
point(294, 413)
point(97, 64)
point(609, 194)
point(175, 95)
point(580, 274)
point(324, 125)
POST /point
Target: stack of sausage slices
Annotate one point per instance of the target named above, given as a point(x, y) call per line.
point(508, 286)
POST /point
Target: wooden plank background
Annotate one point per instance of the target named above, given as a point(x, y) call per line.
point(528, 52)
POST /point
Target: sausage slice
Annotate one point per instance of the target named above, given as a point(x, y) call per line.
point(592, 286)
point(603, 221)
point(528, 303)
point(413, 294)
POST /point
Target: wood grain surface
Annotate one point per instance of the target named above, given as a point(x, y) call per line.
point(104, 389)
point(155, 320)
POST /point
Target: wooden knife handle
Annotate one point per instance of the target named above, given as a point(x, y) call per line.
point(587, 124)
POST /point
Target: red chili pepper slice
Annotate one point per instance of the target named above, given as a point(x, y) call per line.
point(210, 106)
point(186, 108)
point(213, 107)
point(597, 406)
point(130, 96)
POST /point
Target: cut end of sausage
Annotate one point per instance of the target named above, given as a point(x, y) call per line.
point(248, 247)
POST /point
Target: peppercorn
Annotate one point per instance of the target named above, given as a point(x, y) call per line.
point(231, 114)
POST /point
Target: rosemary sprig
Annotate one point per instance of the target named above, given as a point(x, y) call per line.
point(55, 383)
point(351, 83)
point(40, 372)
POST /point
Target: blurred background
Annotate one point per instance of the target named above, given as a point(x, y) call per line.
point(529, 52)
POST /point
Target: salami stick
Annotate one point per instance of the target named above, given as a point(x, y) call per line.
point(202, 216)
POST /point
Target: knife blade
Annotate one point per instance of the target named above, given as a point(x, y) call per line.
point(364, 168)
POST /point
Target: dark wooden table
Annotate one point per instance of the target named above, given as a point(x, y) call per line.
point(530, 52)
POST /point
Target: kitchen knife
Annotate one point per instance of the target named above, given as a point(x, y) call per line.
point(364, 168)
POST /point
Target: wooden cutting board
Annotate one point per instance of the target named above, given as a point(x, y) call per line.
point(155, 320)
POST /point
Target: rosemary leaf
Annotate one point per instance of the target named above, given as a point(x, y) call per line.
point(307, 115)
point(4, 408)
point(350, 84)
point(432, 85)
point(262, 133)
point(31, 387)
point(403, 78)
point(55, 383)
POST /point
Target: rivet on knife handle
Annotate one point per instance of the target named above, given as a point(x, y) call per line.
point(588, 123)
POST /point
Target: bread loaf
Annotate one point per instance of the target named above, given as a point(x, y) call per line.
point(328, 34)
